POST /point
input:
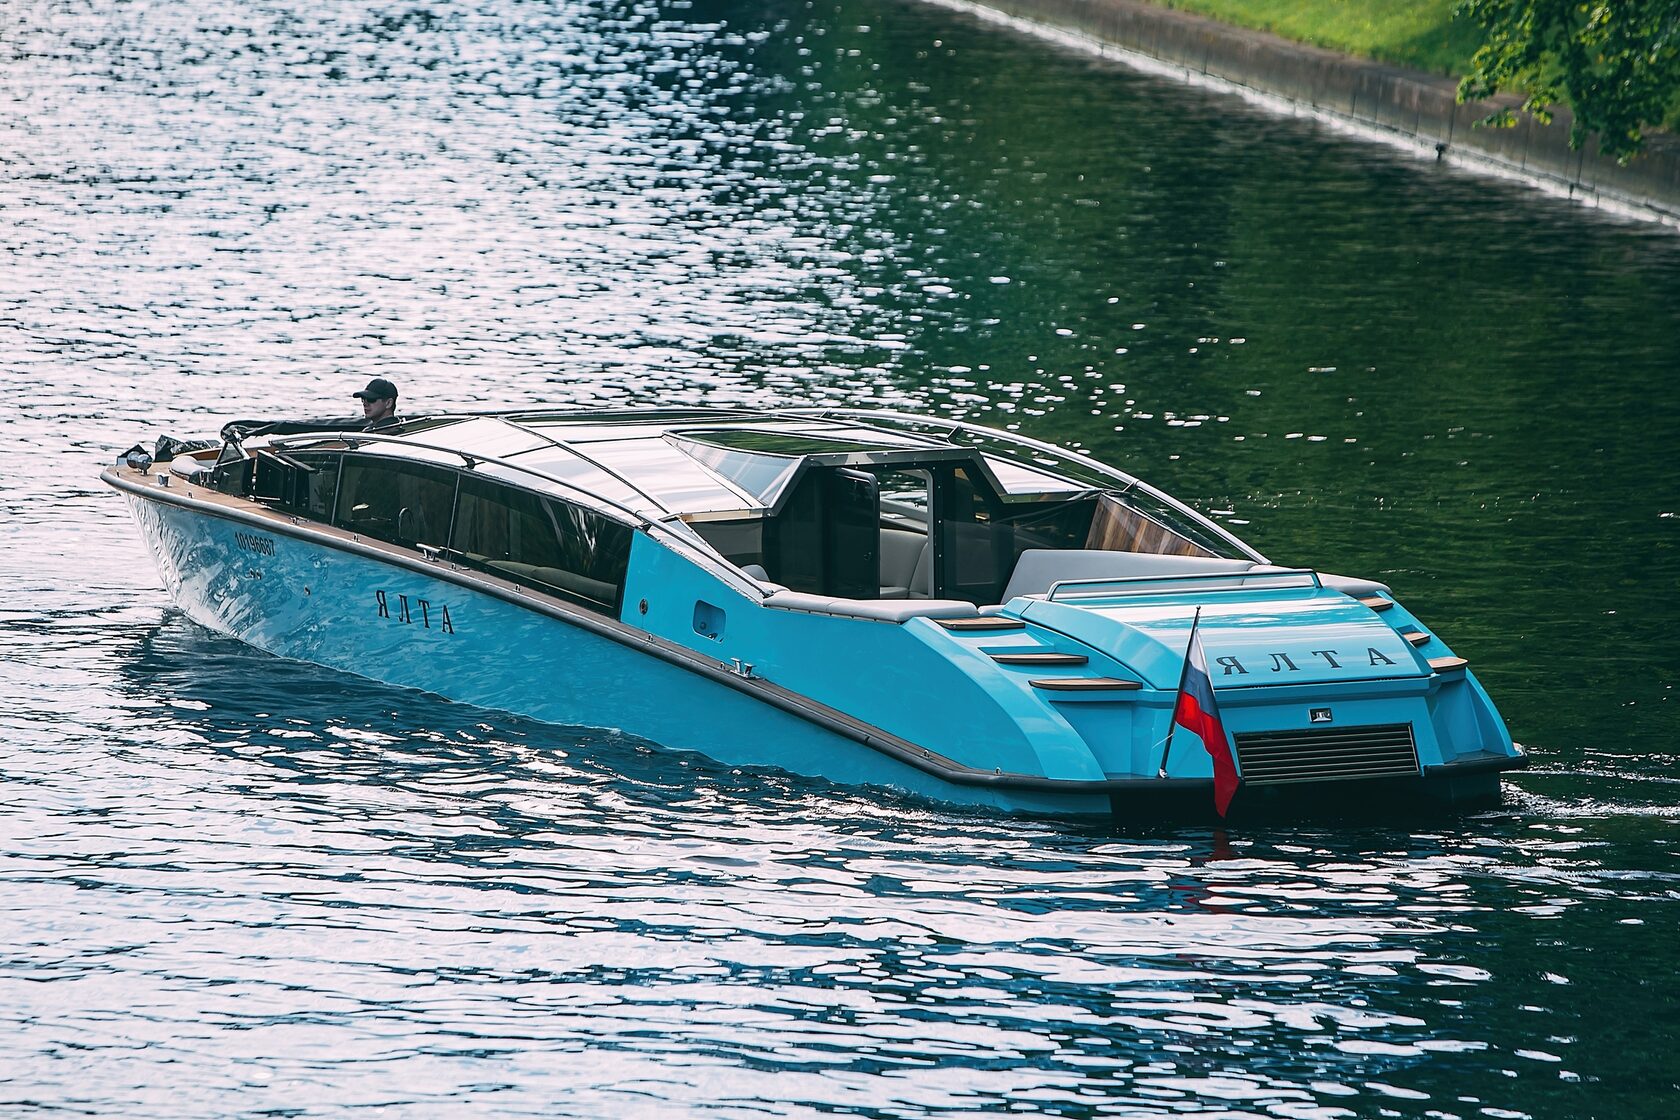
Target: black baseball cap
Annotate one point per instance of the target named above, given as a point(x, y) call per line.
point(378, 389)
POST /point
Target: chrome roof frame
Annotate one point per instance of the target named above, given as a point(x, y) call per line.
point(1132, 482)
point(677, 419)
point(980, 429)
point(473, 458)
point(687, 541)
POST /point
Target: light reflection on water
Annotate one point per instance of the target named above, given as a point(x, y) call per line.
point(270, 880)
point(236, 885)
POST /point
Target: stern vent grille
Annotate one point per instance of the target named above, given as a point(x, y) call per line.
point(1327, 754)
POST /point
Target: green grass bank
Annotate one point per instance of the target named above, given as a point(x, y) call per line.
point(1417, 33)
point(1392, 71)
point(1421, 34)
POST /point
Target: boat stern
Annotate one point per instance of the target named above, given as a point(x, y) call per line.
point(1318, 690)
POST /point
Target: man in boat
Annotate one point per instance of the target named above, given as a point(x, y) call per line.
point(379, 404)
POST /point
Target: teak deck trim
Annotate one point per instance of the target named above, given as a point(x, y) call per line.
point(981, 623)
point(1045, 658)
point(1086, 684)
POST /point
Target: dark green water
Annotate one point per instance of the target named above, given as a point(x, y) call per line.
point(235, 886)
point(1376, 364)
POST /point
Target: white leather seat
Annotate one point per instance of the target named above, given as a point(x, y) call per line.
point(904, 564)
point(1038, 568)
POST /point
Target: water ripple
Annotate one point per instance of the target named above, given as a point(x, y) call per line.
point(238, 886)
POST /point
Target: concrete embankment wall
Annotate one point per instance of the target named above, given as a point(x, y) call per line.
point(1401, 105)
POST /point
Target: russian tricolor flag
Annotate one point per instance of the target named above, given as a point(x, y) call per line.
point(1198, 713)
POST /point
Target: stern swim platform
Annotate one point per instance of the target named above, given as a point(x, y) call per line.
point(866, 598)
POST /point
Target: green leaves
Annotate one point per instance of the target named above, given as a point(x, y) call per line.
point(1615, 63)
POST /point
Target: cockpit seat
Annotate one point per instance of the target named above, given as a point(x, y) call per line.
point(906, 565)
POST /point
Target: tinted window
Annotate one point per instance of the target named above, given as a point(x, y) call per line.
point(315, 495)
point(541, 542)
point(826, 539)
point(974, 544)
point(390, 500)
point(739, 542)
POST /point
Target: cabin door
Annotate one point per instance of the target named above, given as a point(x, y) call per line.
point(827, 538)
point(852, 547)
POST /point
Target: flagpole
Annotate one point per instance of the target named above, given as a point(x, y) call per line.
point(1172, 725)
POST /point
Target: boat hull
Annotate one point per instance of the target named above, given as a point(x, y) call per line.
point(429, 627)
point(1042, 707)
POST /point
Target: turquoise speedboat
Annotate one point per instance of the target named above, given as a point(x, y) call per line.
point(864, 597)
